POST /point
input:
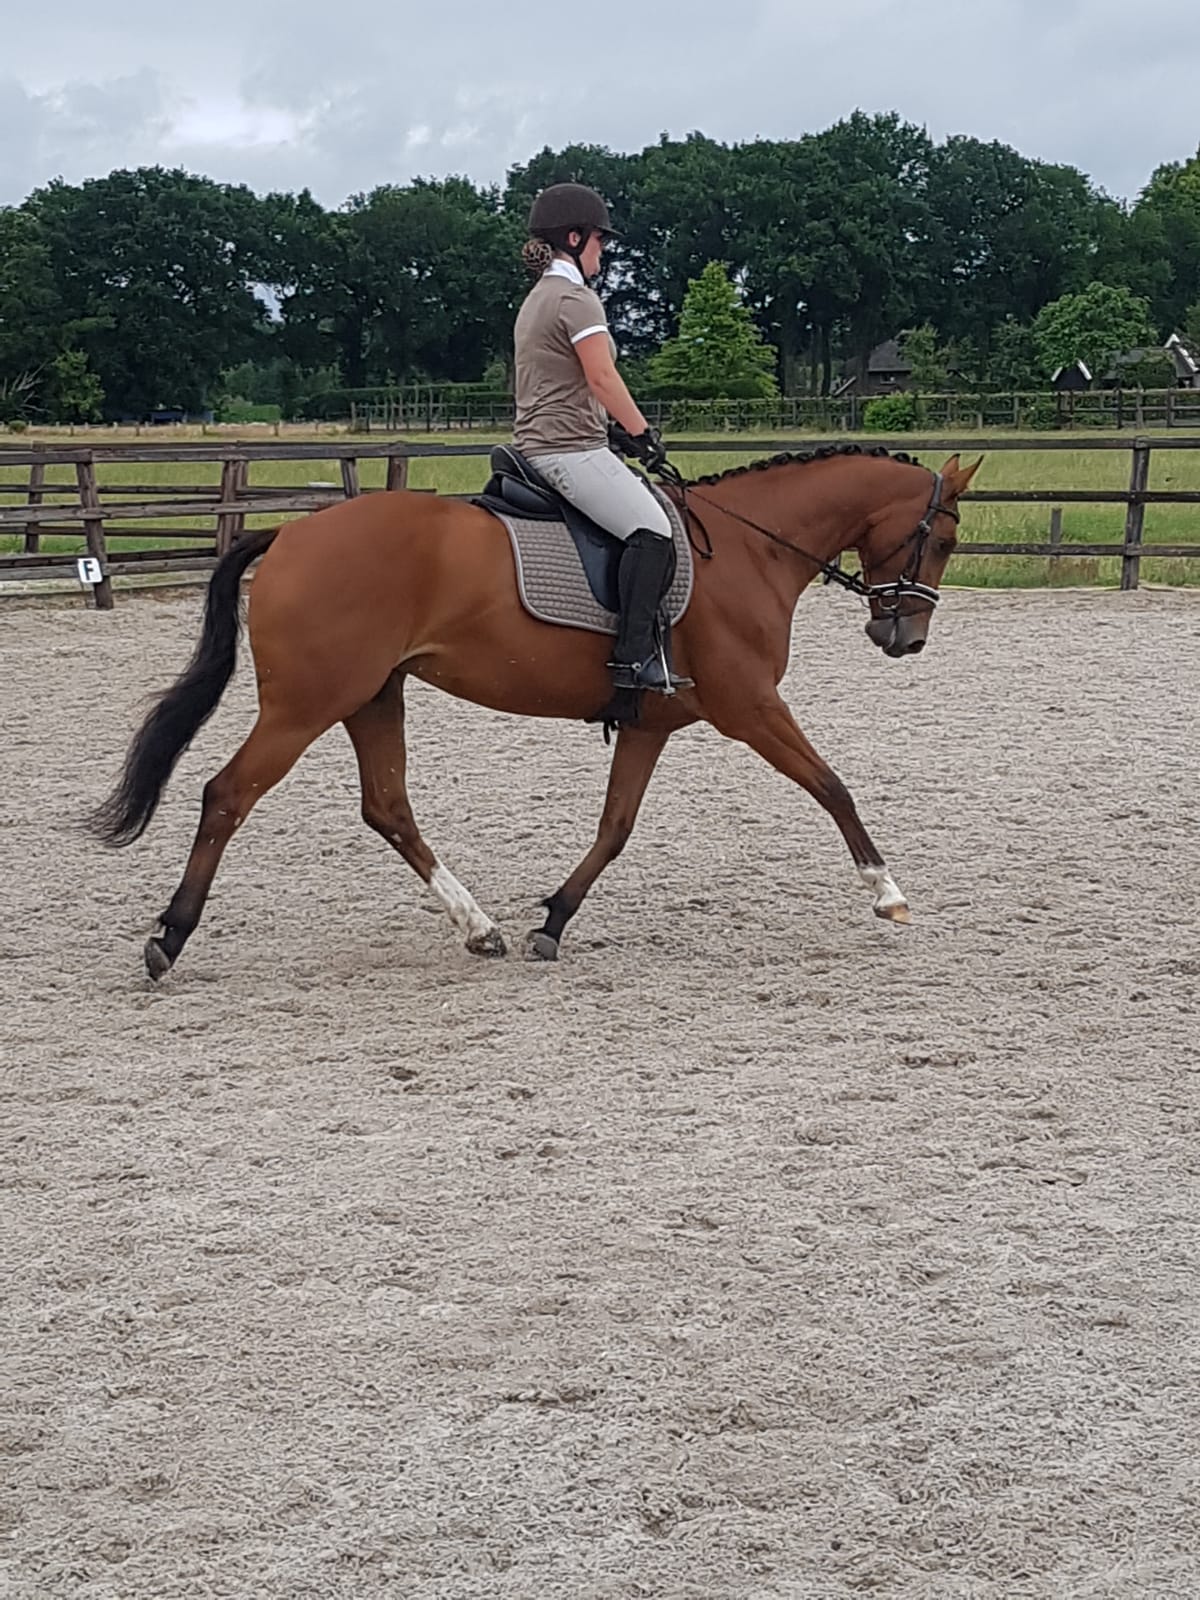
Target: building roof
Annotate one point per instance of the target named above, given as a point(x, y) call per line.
point(1082, 365)
point(888, 357)
point(1182, 354)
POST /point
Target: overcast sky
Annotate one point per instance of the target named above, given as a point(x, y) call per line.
point(339, 98)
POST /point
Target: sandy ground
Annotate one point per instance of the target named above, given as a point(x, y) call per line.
point(756, 1249)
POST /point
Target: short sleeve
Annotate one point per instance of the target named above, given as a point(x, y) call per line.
point(582, 315)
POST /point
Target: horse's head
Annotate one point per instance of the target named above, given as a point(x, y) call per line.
point(904, 554)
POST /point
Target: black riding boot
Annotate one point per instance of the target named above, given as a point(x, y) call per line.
point(641, 656)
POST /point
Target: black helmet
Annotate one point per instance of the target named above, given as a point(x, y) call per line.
point(564, 207)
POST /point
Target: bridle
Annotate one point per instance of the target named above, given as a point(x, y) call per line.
point(886, 596)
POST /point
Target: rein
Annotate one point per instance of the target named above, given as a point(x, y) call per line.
point(888, 595)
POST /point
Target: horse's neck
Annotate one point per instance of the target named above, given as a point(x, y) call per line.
point(814, 512)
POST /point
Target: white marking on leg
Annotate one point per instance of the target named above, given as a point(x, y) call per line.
point(884, 887)
point(465, 914)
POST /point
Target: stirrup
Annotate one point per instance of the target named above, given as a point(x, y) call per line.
point(651, 674)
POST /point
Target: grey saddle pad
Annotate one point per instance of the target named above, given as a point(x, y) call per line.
point(551, 581)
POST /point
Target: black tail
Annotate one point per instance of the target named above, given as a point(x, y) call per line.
point(185, 707)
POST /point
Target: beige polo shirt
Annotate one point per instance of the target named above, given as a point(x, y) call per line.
point(555, 409)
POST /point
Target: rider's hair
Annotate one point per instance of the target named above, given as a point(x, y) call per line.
point(537, 254)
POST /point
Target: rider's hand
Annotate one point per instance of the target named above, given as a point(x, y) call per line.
point(620, 440)
point(650, 450)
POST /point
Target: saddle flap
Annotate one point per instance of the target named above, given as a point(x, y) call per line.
point(524, 497)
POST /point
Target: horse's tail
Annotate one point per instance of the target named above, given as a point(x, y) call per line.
point(185, 707)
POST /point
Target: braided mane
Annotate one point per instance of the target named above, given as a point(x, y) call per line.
point(789, 457)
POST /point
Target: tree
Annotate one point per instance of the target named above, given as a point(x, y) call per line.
point(1006, 236)
point(718, 351)
point(155, 270)
point(1168, 215)
point(928, 360)
point(824, 236)
point(1012, 363)
point(1093, 326)
point(420, 279)
point(681, 216)
point(30, 314)
point(75, 392)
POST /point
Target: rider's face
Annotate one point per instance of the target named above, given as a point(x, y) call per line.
point(591, 253)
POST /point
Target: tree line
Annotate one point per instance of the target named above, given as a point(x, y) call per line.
point(153, 287)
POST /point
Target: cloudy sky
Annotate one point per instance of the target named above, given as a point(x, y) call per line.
point(340, 98)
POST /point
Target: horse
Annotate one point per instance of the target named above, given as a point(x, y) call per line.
point(350, 601)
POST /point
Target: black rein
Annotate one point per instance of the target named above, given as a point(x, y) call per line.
point(888, 595)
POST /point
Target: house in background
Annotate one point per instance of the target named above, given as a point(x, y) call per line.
point(1187, 362)
point(1177, 352)
point(884, 371)
point(887, 371)
point(1071, 379)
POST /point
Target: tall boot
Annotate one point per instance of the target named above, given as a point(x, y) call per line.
point(641, 656)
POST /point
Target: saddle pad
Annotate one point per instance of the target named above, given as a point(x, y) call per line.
point(551, 579)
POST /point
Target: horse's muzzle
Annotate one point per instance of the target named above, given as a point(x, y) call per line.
point(899, 635)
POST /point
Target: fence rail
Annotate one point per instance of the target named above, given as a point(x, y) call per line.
point(96, 513)
point(1111, 409)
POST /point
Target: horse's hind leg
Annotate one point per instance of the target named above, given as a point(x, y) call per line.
point(637, 753)
point(377, 731)
point(270, 752)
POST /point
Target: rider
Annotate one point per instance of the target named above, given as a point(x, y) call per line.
point(566, 382)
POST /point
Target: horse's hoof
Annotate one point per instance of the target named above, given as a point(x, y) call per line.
point(490, 943)
point(898, 912)
point(542, 946)
point(158, 962)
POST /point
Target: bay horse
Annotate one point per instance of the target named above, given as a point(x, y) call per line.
point(352, 600)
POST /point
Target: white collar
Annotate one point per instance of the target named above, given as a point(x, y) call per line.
point(559, 268)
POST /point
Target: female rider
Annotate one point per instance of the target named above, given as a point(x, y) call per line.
point(567, 387)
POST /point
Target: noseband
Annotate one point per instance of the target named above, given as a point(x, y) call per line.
point(889, 595)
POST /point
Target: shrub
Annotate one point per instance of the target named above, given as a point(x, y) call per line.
point(232, 408)
point(891, 413)
point(1040, 411)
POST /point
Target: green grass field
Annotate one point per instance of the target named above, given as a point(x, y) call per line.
point(1058, 469)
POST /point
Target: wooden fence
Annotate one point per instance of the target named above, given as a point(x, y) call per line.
point(97, 516)
point(1107, 409)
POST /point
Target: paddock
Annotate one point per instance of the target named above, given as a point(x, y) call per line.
point(757, 1248)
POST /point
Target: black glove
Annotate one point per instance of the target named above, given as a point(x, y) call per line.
point(620, 440)
point(650, 450)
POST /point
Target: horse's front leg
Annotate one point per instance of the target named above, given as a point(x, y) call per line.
point(769, 728)
point(633, 763)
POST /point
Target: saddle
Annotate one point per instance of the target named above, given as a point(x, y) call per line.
point(517, 489)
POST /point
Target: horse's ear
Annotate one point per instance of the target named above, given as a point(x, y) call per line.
point(966, 474)
point(950, 468)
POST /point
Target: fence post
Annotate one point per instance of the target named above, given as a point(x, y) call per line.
point(1135, 514)
point(93, 528)
point(1055, 542)
point(397, 472)
point(350, 486)
point(231, 524)
point(37, 480)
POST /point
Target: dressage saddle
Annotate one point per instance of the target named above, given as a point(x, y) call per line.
point(517, 489)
